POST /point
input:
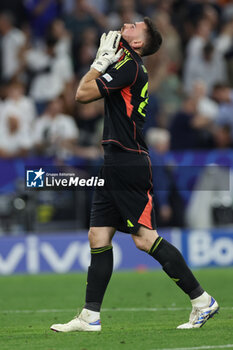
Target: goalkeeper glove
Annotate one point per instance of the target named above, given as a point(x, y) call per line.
point(107, 52)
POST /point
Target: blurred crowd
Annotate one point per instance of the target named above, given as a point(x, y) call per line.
point(46, 46)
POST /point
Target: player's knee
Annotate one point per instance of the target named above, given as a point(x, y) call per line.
point(140, 243)
point(92, 236)
point(99, 237)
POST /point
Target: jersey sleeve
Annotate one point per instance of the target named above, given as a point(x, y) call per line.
point(122, 74)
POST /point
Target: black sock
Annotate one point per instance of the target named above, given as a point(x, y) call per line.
point(175, 267)
point(99, 274)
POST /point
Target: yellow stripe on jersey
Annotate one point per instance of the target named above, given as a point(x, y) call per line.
point(121, 63)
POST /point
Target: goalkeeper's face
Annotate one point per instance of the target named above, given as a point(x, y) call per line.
point(134, 34)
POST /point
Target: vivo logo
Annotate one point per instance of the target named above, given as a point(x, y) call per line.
point(203, 249)
point(33, 251)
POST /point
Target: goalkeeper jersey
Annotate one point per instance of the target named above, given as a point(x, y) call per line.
point(124, 87)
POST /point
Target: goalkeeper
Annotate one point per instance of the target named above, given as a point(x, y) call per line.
point(125, 204)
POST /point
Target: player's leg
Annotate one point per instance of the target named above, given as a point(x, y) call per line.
point(99, 274)
point(170, 258)
point(100, 269)
point(173, 263)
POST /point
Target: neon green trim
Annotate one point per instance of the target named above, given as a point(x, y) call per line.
point(121, 63)
point(144, 90)
point(144, 94)
point(159, 240)
point(100, 250)
point(129, 223)
point(144, 68)
point(175, 279)
point(127, 52)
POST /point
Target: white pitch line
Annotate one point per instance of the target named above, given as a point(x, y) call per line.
point(205, 347)
point(132, 309)
point(36, 311)
point(136, 309)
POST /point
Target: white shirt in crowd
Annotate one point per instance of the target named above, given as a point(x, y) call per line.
point(26, 107)
point(208, 108)
point(55, 129)
point(195, 47)
point(211, 72)
point(12, 42)
point(48, 85)
point(21, 139)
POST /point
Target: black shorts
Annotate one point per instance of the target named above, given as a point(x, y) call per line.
point(126, 200)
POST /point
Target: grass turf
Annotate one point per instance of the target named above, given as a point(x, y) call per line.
point(122, 329)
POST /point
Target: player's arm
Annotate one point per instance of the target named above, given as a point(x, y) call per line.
point(107, 54)
point(88, 90)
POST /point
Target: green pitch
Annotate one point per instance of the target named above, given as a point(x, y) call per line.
point(140, 312)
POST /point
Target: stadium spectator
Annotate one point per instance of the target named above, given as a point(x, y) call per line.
point(183, 134)
point(55, 132)
point(157, 68)
point(168, 203)
point(199, 39)
point(193, 13)
point(63, 37)
point(153, 112)
point(164, 89)
point(68, 97)
point(25, 105)
point(223, 42)
point(85, 52)
point(85, 58)
point(207, 109)
point(209, 66)
point(90, 122)
point(211, 13)
point(50, 73)
point(163, 68)
point(159, 140)
point(12, 41)
point(172, 43)
point(197, 120)
point(223, 94)
point(16, 140)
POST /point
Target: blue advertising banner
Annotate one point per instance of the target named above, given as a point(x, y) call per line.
point(206, 248)
point(69, 252)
